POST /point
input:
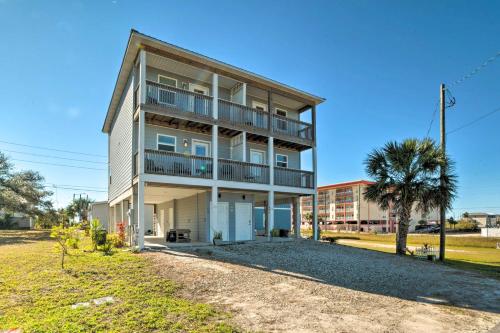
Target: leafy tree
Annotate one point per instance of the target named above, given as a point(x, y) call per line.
point(22, 191)
point(408, 174)
point(465, 215)
point(452, 222)
point(422, 222)
point(65, 237)
point(79, 207)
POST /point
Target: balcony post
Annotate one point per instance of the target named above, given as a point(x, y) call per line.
point(270, 111)
point(244, 145)
point(270, 214)
point(315, 215)
point(140, 214)
point(215, 127)
point(142, 76)
point(270, 159)
point(296, 216)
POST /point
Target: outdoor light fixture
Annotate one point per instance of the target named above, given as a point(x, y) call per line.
point(185, 142)
point(243, 197)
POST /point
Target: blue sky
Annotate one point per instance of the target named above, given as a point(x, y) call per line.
point(378, 63)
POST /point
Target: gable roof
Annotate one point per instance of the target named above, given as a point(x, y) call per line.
point(139, 40)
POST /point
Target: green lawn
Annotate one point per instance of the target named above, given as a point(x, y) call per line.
point(36, 295)
point(471, 252)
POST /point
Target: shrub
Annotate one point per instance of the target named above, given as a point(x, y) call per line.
point(116, 240)
point(101, 237)
point(107, 248)
point(121, 231)
point(95, 227)
point(275, 232)
point(6, 222)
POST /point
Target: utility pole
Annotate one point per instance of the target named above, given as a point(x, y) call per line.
point(442, 208)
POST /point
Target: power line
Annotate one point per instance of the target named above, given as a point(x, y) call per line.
point(432, 119)
point(51, 156)
point(61, 165)
point(76, 189)
point(54, 149)
point(84, 186)
point(474, 121)
point(475, 70)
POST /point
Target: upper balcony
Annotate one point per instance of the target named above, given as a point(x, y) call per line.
point(184, 165)
point(182, 91)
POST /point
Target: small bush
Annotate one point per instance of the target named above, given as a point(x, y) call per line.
point(107, 248)
point(116, 240)
point(6, 222)
point(101, 237)
point(275, 232)
point(121, 231)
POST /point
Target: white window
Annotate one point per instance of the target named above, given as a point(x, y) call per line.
point(201, 148)
point(199, 89)
point(281, 160)
point(281, 123)
point(259, 106)
point(166, 142)
point(167, 80)
point(166, 96)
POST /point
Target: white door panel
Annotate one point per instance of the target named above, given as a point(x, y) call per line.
point(243, 223)
point(222, 222)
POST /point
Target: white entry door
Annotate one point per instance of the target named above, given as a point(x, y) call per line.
point(243, 217)
point(222, 222)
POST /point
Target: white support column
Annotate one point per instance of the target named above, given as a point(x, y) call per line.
point(142, 75)
point(141, 225)
point(140, 184)
point(215, 128)
point(244, 145)
point(315, 216)
point(315, 172)
point(296, 216)
point(213, 211)
point(270, 159)
point(124, 205)
point(244, 94)
point(270, 213)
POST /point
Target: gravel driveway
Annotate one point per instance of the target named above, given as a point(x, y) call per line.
point(305, 286)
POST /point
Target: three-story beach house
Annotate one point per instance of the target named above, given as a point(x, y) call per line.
point(196, 144)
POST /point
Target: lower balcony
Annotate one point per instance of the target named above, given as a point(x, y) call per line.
point(185, 165)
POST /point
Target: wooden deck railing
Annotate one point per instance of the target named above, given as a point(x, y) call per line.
point(182, 100)
point(243, 171)
point(293, 177)
point(176, 164)
point(291, 127)
point(238, 114)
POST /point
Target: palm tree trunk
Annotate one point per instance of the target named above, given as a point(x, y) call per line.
point(404, 224)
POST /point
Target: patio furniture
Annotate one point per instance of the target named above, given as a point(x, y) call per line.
point(179, 236)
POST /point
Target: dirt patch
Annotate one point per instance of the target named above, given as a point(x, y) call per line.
point(306, 286)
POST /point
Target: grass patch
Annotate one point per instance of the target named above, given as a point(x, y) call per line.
point(36, 295)
point(480, 259)
point(416, 239)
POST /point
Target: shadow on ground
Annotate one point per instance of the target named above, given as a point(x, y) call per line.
point(13, 237)
point(361, 270)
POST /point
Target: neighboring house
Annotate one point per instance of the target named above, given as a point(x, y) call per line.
point(100, 210)
point(197, 144)
point(342, 206)
point(484, 219)
point(18, 220)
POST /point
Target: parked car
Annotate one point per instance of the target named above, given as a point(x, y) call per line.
point(429, 229)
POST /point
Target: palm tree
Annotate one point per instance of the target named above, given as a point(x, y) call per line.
point(407, 175)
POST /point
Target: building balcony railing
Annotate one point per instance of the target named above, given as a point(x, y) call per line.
point(181, 100)
point(176, 164)
point(293, 177)
point(291, 127)
point(198, 105)
point(243, 171)
point(184, 165)
point(238, 114)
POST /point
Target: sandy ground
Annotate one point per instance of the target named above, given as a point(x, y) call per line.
point(305, 286)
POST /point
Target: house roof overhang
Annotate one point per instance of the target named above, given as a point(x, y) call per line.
point(138, 41)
